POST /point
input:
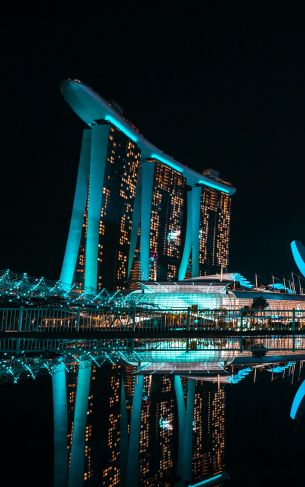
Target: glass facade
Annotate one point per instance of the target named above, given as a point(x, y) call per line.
point(166, 234)
point(179, 231)
point(120, 179)
point(168, 222)
point(167, 216)
point(208, 430)
point(159, 427)
point(214, 233)
point(179, 298)
point(159, 436)
point(72, 381)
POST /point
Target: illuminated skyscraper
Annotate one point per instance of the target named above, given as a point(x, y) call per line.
point(215, 218)
point(158, 438)
point(138, 213)
point(166, 224)
point(120, 178)
point(110, 474)
point(72, 381)
point(180, 434)
point(208, 431)
point(166, 232)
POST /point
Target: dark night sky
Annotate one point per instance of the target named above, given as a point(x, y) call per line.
point(211, 91)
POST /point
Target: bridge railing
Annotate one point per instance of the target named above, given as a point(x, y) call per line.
point(36, 319)
point(86, 320)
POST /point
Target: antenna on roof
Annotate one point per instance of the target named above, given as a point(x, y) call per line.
point(256, 281)
point(300, 287)
point(293, 282)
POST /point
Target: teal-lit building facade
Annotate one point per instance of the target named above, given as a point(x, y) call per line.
point(164, 230)
point(138, 214)
point(116, 202)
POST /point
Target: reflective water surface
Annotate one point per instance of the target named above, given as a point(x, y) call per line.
point(152, 430)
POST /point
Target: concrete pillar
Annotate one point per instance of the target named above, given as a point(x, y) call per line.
point(60, 426)
point(196, 198)
point(181, 418)
point(188, 239)
point(79, 205)
point(146, 199)
point(192, 233)
point(185, 421)
point(123, 435)
point(186, 471)
point(98, 155)
point(134, 437)
point(79, 428)
point(136, 217)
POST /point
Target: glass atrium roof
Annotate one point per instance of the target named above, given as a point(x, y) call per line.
point(183, 297)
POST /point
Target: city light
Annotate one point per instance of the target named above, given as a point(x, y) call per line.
point(209, 481)
point(167, 162)
point(119, 125)
point(216, 186)
point(165, 424)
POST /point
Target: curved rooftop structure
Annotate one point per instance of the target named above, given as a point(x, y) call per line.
point(204, 300)
point(230, 291)
point(91, 108)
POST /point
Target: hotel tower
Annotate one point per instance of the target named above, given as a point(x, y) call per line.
point(138, 214)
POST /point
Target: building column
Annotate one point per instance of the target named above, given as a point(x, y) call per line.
point(77, 463)
point(185, 421)
point(181, 418)
point(192, 233)
point(186, 471)
point(134, 437)
point(60, 426)
point(79, 205)
point(146, 200)
point(196, 199)
point(123, 435)
point(136, 217)
point(188, 239)
point(98, 155)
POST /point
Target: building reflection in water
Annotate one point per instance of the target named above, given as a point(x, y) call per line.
point(163, 430)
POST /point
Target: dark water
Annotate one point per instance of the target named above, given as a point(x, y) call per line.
point(243, 429)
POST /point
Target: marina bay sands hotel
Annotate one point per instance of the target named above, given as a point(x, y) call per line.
point(138, 214)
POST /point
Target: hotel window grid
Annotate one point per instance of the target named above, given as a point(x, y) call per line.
point(214, 233)
point(166, 232)
point(120, 179)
